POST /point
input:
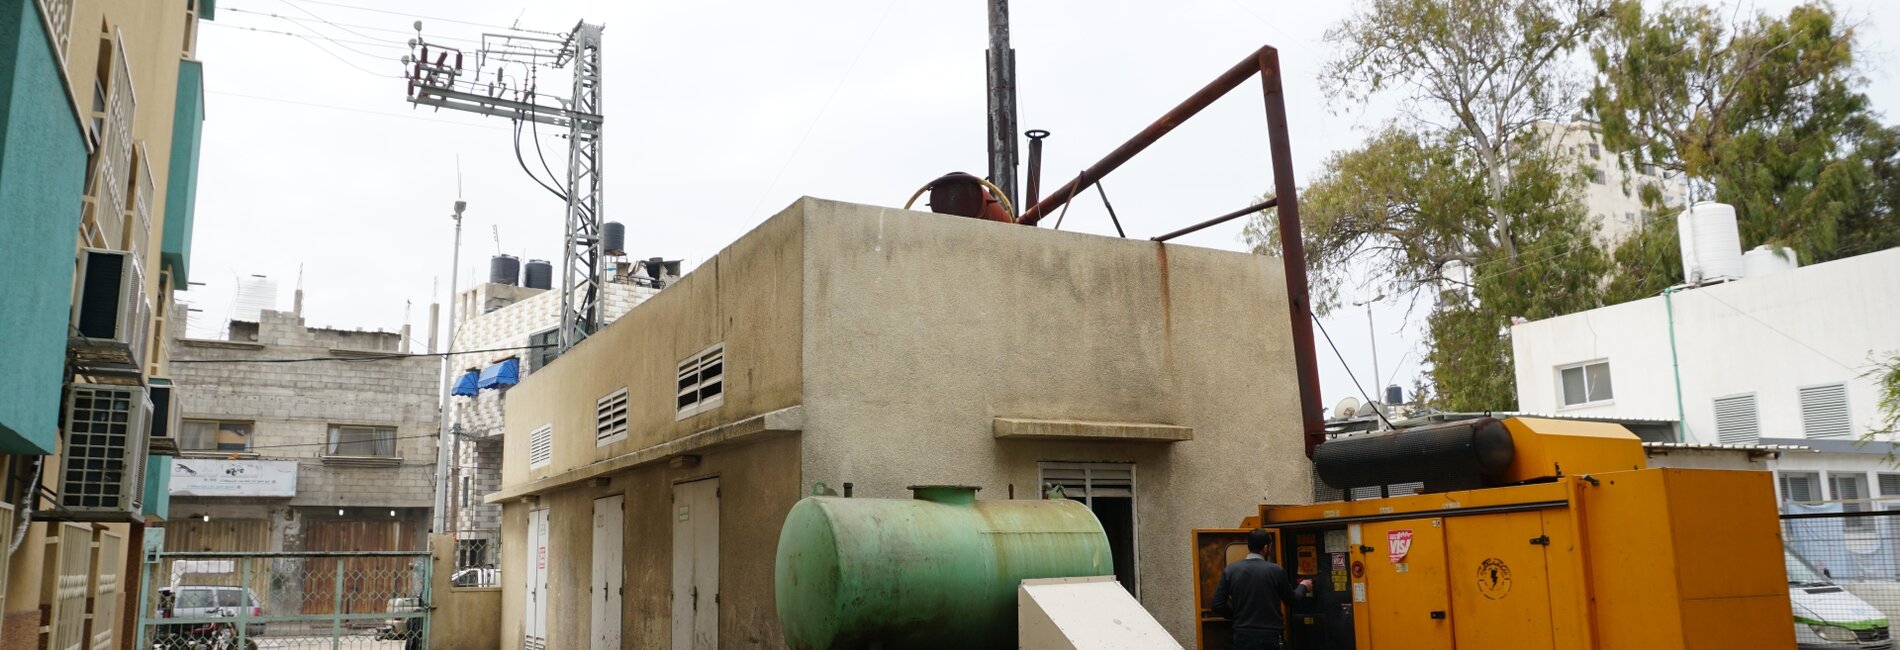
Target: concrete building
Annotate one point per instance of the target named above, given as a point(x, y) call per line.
point(1611, 194)
point(1780, 359)
point(101, 108)
point(334, 455)
point(506, 318)
point(870, 349)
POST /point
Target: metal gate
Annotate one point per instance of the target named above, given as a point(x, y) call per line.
point(324, 600)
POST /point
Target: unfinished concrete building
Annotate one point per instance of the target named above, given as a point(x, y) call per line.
point(334, 455)
point(647, 472)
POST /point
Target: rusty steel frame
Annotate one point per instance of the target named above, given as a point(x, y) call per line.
point(1266, 62)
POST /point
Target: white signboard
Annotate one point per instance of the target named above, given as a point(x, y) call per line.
point(206, 477)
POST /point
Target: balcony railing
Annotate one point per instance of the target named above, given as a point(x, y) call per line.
point(59, 22)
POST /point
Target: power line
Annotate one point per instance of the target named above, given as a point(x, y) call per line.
point(379, 357)
point(284, 33)
point(826, 106)
point(392, 30)
point(415, 16)
point(354, 110)
point(1772, 328)
point(1348, 367)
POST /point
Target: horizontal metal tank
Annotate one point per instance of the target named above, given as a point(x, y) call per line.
point(939, 571)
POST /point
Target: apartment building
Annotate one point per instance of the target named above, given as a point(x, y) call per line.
point(331, 455)
point(101, 110)
point(1611, 191)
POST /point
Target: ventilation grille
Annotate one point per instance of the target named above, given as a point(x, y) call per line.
point(1824, 411)
point(1737, 422)
point(610, 418)
point(702, 381)
point(541, 446)
point(103, 468)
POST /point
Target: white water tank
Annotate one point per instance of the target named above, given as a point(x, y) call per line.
point(1767, 260)
point(1711, 245)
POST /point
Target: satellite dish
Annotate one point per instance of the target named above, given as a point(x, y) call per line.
point(1367, 409)
point(1346, 408)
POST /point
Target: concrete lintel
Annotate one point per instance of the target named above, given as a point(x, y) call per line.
point(786, 420)
point(1024, 429)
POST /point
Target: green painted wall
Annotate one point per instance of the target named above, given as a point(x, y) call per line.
point(181, 192)
point(158, 486)
point(42, 169)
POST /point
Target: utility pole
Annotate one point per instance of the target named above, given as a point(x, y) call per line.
point(436, 78)
point(1002, 103)
point(443, 444)
point(1372, 337)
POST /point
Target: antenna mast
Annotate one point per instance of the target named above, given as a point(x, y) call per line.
point(437, 78)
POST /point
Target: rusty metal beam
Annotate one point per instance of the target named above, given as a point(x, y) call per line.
point(1270, 202)
point(1265, 62)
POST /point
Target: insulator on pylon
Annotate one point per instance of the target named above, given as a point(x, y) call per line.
point(458, 61)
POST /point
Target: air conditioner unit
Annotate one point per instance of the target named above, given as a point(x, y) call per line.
point(102, 464)
point(110, 312)
point(166, 421)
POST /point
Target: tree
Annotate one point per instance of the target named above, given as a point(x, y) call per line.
point(1461, 201)
point(1764, 115)
point(1887, 372)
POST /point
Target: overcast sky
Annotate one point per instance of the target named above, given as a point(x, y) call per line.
point(721, 113)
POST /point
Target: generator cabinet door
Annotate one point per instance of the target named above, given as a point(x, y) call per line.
point(1214, 549)
point(1407, 605)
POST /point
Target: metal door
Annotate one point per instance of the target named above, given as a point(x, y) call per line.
point(1500, 585)
point(534, 618)
point(696, 565)
point(1407, 605)
point(604, 591)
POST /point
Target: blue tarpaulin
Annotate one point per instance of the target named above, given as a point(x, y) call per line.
point(465, 386)
point(504, 373)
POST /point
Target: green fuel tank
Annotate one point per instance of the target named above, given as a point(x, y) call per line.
point(938, 571)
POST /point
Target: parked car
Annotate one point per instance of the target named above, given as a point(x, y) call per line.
point(401, 628)
point(476, 578)
point(1827, 617)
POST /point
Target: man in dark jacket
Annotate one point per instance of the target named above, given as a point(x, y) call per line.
point(1251, 592)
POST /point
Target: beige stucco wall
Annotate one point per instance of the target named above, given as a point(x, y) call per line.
point(758, 483)
point(920, 329)
point(464, 616)
point(747, 296)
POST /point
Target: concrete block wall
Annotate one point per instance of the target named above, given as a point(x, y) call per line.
point(292, 405)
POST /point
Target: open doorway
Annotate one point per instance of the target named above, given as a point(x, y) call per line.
point(1108, 489)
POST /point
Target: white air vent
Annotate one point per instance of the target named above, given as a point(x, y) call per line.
point(702, 381)
point(111, 311)
point(1824, 411)
point(610, 418)
point(1737, 422)
point(102, 469)
point(541, 446)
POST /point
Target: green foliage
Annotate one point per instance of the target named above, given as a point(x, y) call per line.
point(1887, 372)
point(1764, 115)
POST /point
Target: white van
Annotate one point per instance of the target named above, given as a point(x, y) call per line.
point(1826, 617)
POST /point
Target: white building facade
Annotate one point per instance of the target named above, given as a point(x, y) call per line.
point(1611, 194)
point(1777, 359)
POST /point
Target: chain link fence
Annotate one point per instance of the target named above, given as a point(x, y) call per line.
point(291, 600)
point(1843, 561)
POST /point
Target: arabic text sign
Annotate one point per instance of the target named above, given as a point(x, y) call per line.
point(208, 477)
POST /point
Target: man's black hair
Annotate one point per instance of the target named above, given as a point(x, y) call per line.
point(1258, 539)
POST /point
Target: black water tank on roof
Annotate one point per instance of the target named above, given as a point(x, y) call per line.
point(613, 238)
point(504, 269)
point(540, 275)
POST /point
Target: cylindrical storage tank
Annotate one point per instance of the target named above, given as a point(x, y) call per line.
point(1767, 260)
point(1394, 394)
point(1454, 455)
point(540, 275)
point(613, 238)
point(504, 269)
point(939, 571)
point(1711, 245)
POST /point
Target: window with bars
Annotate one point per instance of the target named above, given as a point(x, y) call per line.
point(1824, 411)
point(541, 446)
point(1585, 383)
point(1737, 422)
point(702, 381)
point(546, 348)
point(1850, 489)
point(1108, 489)
point(1800, 487)
point(610, 418)
point(347, 440)
point(214, 435)
point(1890, 485)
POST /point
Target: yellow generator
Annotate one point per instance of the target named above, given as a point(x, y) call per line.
point(1528, 534)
